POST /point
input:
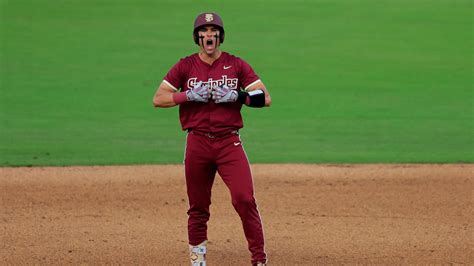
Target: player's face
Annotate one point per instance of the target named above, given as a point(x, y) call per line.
point(209, 39)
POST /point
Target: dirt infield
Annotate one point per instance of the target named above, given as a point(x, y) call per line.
point(312, 214)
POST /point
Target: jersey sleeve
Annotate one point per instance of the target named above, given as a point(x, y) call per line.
point(247, 75)
point(175, 75)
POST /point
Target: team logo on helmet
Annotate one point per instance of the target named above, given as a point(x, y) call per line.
point(209, 17)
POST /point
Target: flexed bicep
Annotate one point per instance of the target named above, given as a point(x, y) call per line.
point(164, 96)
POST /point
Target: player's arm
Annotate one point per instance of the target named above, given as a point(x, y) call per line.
point(255, 95)
point(164, 96)
point(167, 96)
point(260, 86)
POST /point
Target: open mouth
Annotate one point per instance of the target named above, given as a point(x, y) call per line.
point(209, 42)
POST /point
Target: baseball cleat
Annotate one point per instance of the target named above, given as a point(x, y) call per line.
point(197, 254)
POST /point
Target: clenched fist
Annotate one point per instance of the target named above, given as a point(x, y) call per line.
point(199, 93)
point(224, 94)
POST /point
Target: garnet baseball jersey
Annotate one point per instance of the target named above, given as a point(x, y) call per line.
point(211, 117)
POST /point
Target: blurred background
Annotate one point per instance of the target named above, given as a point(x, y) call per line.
point(352, 81)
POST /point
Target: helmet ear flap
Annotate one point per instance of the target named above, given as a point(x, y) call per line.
point(221, 36)
point(196, 37)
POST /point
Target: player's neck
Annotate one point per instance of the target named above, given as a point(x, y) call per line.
point(210, 58)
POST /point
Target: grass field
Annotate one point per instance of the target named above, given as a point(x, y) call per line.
point(351, 81)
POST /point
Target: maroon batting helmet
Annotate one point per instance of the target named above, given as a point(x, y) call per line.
point(204, 19)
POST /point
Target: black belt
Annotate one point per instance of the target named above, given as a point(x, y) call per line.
point(212, 135)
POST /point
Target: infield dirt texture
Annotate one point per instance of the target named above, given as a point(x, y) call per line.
point(312, 215)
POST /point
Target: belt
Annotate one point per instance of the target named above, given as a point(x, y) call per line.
point(213, 135)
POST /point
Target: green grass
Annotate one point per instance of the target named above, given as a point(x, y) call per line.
point(351, 81)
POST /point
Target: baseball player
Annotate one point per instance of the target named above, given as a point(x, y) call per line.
point(210, 88)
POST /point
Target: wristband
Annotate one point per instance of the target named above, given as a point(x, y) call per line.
point(243, 97)
point(254, 98)
point(180, 97)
